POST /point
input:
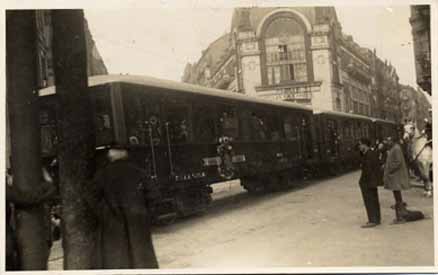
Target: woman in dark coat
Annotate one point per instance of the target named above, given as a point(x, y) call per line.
point(123, 235)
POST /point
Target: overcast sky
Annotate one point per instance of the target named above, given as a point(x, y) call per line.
point(160, 41)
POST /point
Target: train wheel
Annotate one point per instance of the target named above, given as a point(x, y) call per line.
point(273, 182)
point(193, 201)
point(281, 181)
point(165, 212)
point(253, 185)
point(334, 169)
point(167, 219)
point(306, 173)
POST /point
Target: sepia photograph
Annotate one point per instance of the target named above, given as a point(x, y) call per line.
point(230, 136)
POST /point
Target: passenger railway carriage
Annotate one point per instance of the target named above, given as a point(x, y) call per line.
point(188, 137)
point(339, 134)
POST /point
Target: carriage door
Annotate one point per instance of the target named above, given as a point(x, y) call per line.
point(143, 129)
point(49, 136)
point(305, 138)
point(228, 126)
point(177, 133)
point(332, 138)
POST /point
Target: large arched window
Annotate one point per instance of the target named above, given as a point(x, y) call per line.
point(285, 50)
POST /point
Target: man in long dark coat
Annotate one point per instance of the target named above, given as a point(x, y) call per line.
point(370, 179)
point(123, 235)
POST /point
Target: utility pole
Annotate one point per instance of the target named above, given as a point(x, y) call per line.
point(22, 101)
point(76, 137)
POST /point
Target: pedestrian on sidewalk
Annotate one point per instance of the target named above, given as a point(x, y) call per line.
point(370, 179)
point(396, 179)
point(123, 232)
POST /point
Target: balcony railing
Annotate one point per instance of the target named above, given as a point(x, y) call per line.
point(294, 56)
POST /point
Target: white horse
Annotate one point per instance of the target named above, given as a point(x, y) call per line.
point(420, 153)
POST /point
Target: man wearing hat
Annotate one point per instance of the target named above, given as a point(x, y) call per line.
point(370, 179)
point(123, 235)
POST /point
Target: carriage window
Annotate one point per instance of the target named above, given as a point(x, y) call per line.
point(103, 124)
point(358, 129)
point(228, 122)
point(266, 126)
point(104, 131)
point(379, 133)
point(347, 132)
point(204, 123)
point(291, 129)
point(332, 136)
point(177, 121)
point(142, 113)
point(306, 135)
point(274, 127)
point(258, 127)
point(245, 124)
point(352, 134)
point(331, 128)
point(49, 138)
point(365, 131)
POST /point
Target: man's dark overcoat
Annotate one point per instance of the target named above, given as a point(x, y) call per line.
point(123, 235)
point(372, 174)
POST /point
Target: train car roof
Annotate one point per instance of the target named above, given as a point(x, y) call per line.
point(348, 115)
point(177, 86)
point(383, 120)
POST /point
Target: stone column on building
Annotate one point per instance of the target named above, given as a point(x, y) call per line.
point(322, 67)
point(249, 54)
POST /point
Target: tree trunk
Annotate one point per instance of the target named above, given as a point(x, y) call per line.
point(22, 100)
point(76, 136)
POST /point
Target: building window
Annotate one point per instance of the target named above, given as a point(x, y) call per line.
point(291, 72)
point(285, 51)
point(355, 108)
point(338, 104)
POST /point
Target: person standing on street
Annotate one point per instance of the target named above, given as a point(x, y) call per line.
point(123, 231)
point(396, 177)
point(370, 179)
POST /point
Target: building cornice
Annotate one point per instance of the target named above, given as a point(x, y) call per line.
point(304, 84)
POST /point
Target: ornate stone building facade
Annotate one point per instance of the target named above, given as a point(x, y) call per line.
point(386, 91)
point(414, 106)
point(297, 54)
point(95, 64)
point(420, 22)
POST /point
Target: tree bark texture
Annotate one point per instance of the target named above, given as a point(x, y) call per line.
point(76, 137)
point(22, 100)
